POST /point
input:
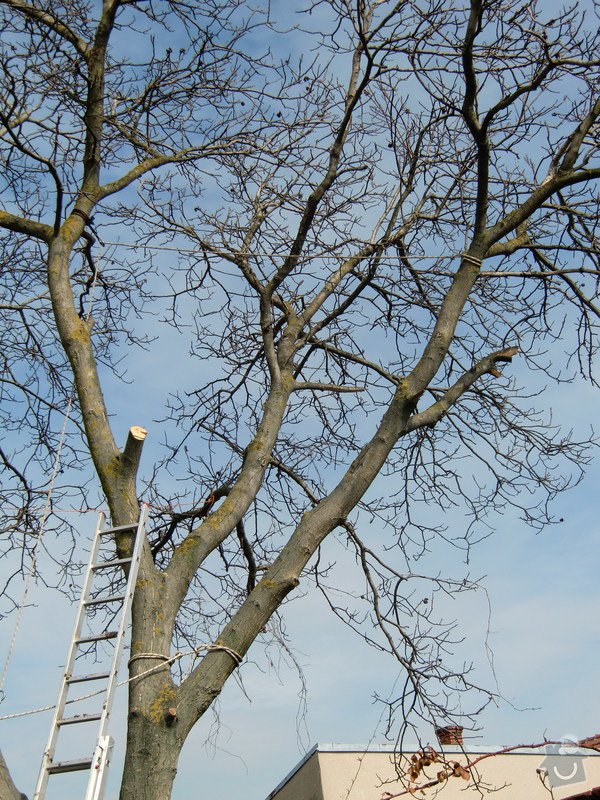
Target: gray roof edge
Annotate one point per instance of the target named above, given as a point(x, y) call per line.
point(314, 749)
point(385, 747)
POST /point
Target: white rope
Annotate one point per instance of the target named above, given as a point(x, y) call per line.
point(148, 655)
point(166, 661)
point(45, 515)
point(260, 253)
point(35, 710)
point(477, 262)
point(212, 647)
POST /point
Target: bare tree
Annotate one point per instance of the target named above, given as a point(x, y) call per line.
point(351, 244)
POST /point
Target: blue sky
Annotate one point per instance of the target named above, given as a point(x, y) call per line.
point(544, 597)
point(542, 589)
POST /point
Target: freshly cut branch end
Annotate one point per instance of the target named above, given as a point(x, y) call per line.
point(138, 433)
point(508, 354)
point(132, 451)
point(505, 356)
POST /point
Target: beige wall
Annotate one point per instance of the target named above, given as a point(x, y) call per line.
point(338, 775)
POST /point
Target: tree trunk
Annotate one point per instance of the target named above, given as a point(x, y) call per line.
point(151, 759)
point(8, 791)
point(154, 738)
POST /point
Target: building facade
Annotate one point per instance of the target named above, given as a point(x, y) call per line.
point(349, 772)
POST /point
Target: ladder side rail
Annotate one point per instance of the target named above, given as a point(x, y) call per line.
point(99, 768)
point(101, 760)
point(136, 556)
point(44, 774)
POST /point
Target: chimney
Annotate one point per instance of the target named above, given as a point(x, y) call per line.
point(450, 734)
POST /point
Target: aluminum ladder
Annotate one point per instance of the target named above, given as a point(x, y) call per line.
point(97, 764)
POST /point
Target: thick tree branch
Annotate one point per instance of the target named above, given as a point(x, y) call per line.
point(327, 387)
point(353, 95)
point(8, 790)
point(567, 155)
point(132, 452)
point(150, 164)
point(29, 227)
point(478, 131)
point(203, 540)
point(48, 20)
point(435, 412)
point(549, 186)
point(199, 690)
point(248, 555)
point(116, 474)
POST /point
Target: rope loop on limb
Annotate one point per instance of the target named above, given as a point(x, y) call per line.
point(165, 662)
point(477, 262)
point(139, 656)
point(213, 647)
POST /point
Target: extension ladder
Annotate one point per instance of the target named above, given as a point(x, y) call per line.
point(98, 763)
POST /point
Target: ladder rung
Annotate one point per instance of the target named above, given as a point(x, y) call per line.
point(108, 599)
point(99, 637)
point(81, 718)
point(96, 676)
point(70, 766)
point(119, 529)
point(108, 564)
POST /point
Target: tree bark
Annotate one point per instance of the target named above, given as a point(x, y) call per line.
point(8, 790)
point(152, 752)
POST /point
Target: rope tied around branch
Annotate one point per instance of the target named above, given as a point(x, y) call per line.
point(214, 647)
point(476, 262)
point(165, 662)
point(161, 656)
point(168, 660)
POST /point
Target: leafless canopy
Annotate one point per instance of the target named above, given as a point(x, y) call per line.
point(344, 248)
